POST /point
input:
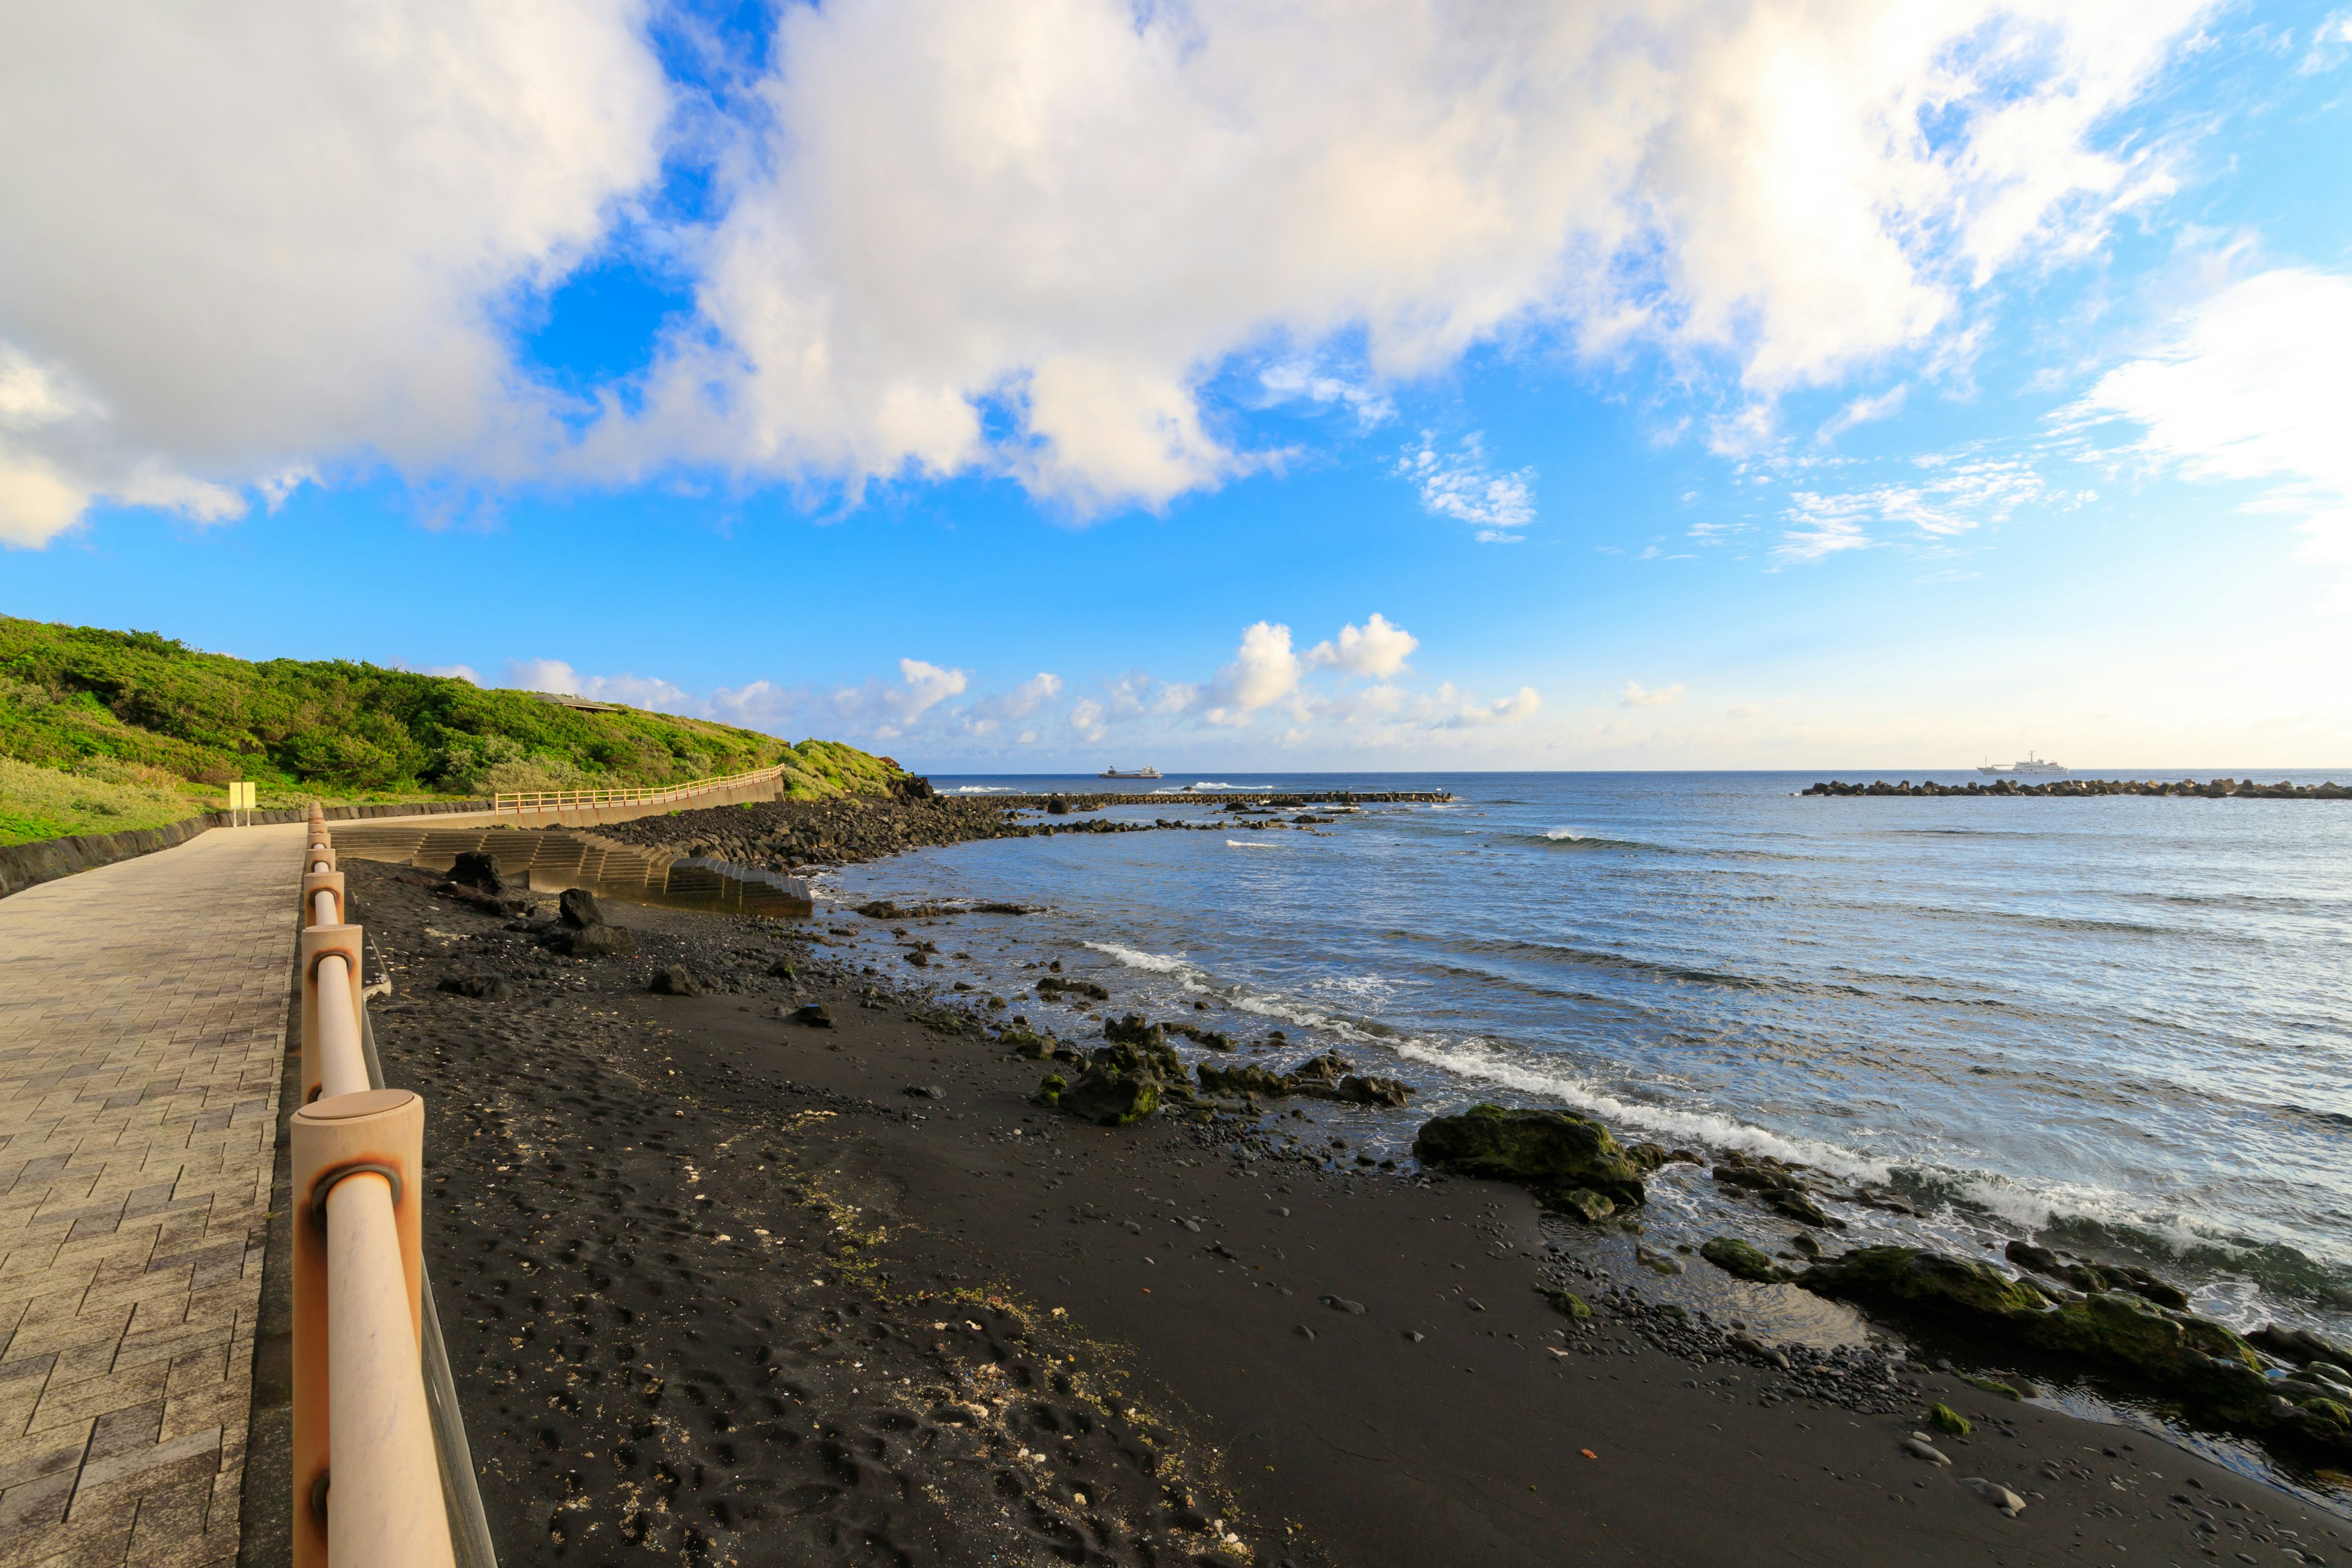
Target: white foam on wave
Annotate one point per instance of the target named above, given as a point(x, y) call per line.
point(987, 789)
point(1157, 962)
point(1483, 1063)
point(1250, 844)
point(1559, 834)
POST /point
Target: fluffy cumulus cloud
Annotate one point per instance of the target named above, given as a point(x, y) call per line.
point(2249, 387)
point(1020, 236)
point(1460, 485)
point(1640, 696)
point(248, 238)
point(1351, 692)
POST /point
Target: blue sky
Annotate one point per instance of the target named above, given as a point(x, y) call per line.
point(1021, 388)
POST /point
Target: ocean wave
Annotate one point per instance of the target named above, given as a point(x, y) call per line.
point(1569, 839)
point(987, 789)
point(1157, 962)
point(1252, 844)
point(1483, 1063)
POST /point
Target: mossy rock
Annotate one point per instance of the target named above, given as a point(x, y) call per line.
point(1239, 1079)
point(1553, 1153)
point(1991, 1385)
point(1742, 1260)
point(1029, 1043)
point(1944, 1418)
point(1108, 1097)
point(1584, 1203)
point(1927, 1281)
point(1567, 1303)
point(1050, 1088)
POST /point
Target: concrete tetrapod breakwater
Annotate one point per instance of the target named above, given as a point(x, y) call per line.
point(2077, 789)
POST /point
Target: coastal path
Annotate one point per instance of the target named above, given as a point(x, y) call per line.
point(143, 1011)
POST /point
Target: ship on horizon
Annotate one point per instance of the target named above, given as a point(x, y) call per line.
point(2033, 767)
point(1128, 774)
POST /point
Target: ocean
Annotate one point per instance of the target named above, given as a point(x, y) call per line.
point(2121, 1027)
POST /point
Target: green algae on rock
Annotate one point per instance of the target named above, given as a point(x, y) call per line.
point(1742, 1260)
point(1552, 1152)
point(2202, 1363)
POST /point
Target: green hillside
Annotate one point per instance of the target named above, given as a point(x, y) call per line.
point(133, 729)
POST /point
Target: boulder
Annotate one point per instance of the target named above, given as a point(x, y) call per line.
point(1552, 1152)
point(814, 1014)
point(1358, 1089)
point(1050, 986)
point(1584, 1203)
point(1567, 1303)
point(577, 907)
point(1742, 1261)
point(676, 980)
point(598, 942)
point(1240, 1079)
point(1108, 1097)
point(475, 869)
point(781, 970)
point(1135, 1029)
point(482, 987)
point(2299, 1347)
point(1928, 1282)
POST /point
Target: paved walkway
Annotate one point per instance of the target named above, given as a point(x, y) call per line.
point(142, 1023)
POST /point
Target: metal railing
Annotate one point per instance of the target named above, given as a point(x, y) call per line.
point(363, 1337)
point(521, 801)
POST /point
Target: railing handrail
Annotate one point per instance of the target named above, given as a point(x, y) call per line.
point(520, 801)
point(368, 1399)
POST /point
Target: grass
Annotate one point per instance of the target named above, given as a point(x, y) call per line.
point(106, 729)
point(49, 803)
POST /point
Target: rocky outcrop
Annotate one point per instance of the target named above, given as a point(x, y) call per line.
point(1555, 1153)
point(2092, 1277)
point(1742, 1260)
point(2202, 1364)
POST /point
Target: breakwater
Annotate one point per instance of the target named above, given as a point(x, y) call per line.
point(2211, 789)
point(1272, 799)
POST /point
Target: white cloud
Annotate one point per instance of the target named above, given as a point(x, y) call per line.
point(543, 675)
point(1377, 650)
point(1862, 410)
point(1957, 493)
point(251, 238)
point(925, 686)
point(553, 675)
point(991, 712)
point(1639, 696)
point(1469, 713)
point(1012, 236)
point(1458, 485)
point(2249, 387)
point(1263, 672)
point(464, 672)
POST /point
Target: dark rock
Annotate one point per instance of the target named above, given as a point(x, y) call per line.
point(1742, 1261)
point(474, 898)
point(781, 969)
point(815, 1015)
point(1798, 1207)
point(1212, 1038)
point(1109, 1097)
point(1240, 1079)
point(1052, 987)
point(676, 980)
point(1341, 1304)
point(477, 869)
point(597, 942)
point(2299, 1346)
point(1361, 1090)
point(1648, 1157)
point(1585, 1204)
point(1028, 1042)
point(1057, 806)
point(925, 1091)
point(1328, 1069)
point(483, 987)
point(1135, 1030)
point(1553, 1153)
point(577, 907)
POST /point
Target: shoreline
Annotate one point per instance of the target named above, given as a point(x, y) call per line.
point(1340, 1416)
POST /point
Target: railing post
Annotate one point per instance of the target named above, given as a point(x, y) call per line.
point(358, 1167)
point(331, 1061)
point(318, 885)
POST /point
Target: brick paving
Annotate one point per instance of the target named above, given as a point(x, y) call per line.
point(142, 1025)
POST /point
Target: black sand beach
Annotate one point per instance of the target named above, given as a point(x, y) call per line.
point(727, 1285)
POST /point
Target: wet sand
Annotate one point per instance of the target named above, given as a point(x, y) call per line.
point(717, 1283)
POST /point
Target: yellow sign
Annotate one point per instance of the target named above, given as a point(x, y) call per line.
point(241, 796)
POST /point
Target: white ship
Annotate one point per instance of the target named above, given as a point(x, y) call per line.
point(1128, 774)
point(2033, 767)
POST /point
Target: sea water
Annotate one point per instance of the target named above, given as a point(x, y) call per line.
point(2119, 1025)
